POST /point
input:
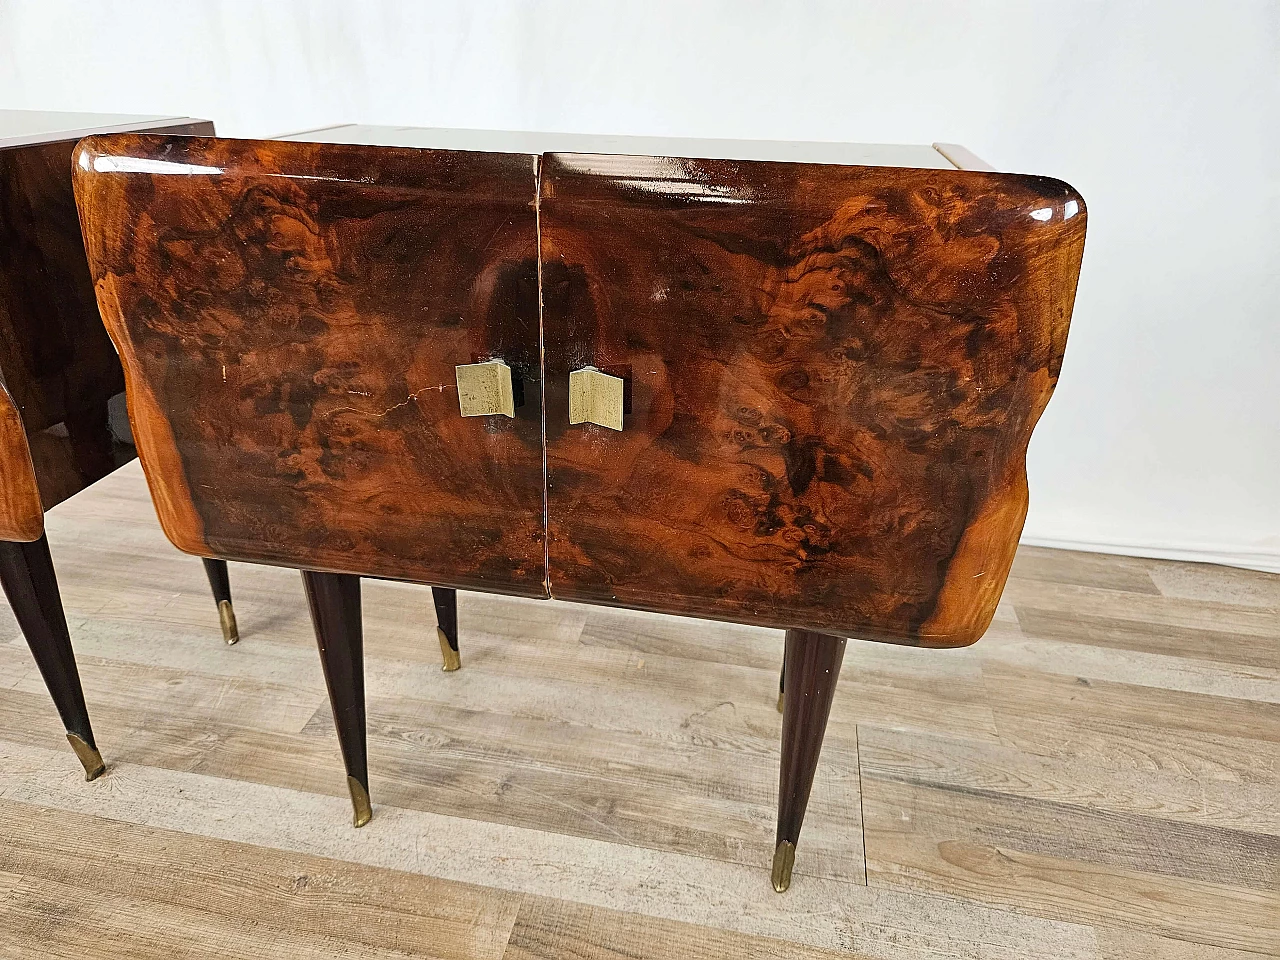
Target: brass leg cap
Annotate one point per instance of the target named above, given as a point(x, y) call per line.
point(227, 616)
point(90, 758)
point(361, 808)
point(452, 659)
point(783, 859)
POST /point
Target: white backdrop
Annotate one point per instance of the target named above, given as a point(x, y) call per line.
point(1164, 435)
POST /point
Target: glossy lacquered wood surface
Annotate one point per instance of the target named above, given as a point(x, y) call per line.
point(54, 351)
point(290, 316)
point(21, 513)
point(57, 361)
point(832, 376)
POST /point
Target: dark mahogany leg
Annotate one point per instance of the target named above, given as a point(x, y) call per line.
point(446, 601)
point(220, 582)
point(812, 666)
point(335, 613)
point(26, 570)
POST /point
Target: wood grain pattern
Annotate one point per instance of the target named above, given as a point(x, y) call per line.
point(554, 929)
point(1094, 778)
point(224, 899)
point(604, 777)
point(833, 374)
point(934, 840)
point(21, 512)
point(56, 358)
point(290, 316)
point(1073, 832)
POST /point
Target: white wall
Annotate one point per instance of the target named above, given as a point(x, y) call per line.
point(1164, 436)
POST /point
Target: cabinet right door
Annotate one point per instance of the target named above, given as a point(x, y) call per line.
point(830, 378)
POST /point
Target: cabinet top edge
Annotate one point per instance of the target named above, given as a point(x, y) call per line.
point(27, 128)
point(919, 156)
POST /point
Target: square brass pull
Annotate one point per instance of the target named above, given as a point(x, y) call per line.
point(595, 397)
point(484, 389)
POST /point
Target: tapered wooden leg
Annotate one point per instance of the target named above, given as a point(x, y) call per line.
point(446, 601)
point(26, 571)
point(220, 583)
point(334, 599)
point(811, 666)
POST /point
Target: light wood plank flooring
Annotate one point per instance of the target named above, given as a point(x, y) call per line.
point(1099, 777)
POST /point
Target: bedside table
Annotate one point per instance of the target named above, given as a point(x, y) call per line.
point(789, 385)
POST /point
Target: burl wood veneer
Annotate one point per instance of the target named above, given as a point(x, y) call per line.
point(290, 317)
point(832, 375)
point(832, 372)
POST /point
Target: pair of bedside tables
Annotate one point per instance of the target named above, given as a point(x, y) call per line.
point(778, 384)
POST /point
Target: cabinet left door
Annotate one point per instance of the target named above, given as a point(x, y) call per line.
point(290, 317)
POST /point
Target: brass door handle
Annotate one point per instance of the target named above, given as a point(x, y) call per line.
point(595, 397)
point(485, 389)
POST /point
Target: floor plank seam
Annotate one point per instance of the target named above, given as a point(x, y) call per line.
point(862, 817)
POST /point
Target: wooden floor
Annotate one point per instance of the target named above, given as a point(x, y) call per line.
point(1098, 777)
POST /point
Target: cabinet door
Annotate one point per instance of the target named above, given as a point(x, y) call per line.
point(290, 317)
point(831, 375)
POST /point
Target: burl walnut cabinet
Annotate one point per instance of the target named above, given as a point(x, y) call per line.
point(796, 394)
point(58, 372)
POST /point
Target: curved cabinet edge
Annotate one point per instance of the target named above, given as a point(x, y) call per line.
point(21, 511)
point(178, 517)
